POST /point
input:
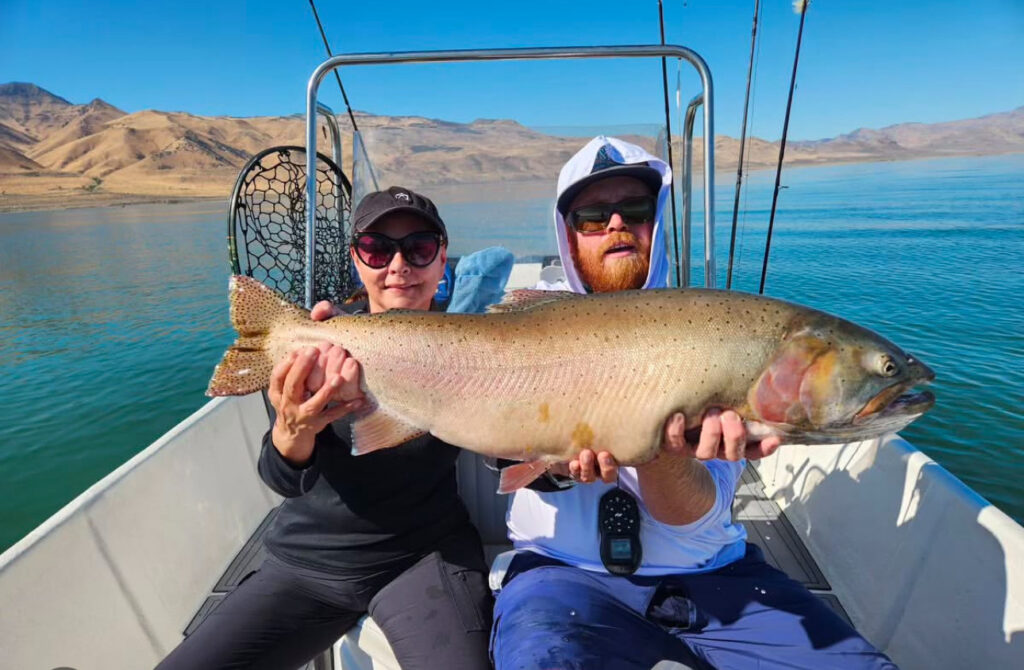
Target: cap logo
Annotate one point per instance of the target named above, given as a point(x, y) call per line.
point(403, 196)
point(603, 161)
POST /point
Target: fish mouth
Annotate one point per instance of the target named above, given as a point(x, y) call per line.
point(890, 411)
point(895, 401)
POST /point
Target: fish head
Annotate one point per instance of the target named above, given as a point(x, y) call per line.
point(833, 381)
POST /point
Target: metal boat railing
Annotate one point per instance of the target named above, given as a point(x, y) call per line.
point(543, 53)
point(332, 126)
point(687, 177)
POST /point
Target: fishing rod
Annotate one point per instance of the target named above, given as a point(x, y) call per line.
point(801, 6)
point(743, 142)
point(357, 141)
point(323, 36)
point(668, 143)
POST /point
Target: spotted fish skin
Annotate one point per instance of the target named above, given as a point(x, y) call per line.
point(549, 375)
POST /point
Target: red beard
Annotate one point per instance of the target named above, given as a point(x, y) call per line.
point(613, 274)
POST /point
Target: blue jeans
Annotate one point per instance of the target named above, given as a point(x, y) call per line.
point(745, 615)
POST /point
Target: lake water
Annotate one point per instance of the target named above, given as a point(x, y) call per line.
point(111, 320)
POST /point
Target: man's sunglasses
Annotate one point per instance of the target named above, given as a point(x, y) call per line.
point(418, 249)
point(595, 218)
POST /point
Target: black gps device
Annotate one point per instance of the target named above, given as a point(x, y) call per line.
point(618, 523)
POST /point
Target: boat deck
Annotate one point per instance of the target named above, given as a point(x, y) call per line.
point(766, 526)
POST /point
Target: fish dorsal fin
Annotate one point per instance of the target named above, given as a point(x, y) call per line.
point(379, 429)
point(523, 299)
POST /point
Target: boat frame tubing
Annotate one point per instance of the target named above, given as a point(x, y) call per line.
point(687, 177)
point(543, 53)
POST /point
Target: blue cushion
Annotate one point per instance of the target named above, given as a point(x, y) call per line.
point(480, 280)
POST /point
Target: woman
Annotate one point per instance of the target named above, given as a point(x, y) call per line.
point(384, 533)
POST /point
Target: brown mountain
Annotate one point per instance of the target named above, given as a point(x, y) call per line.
point(79, 121)
point(991, 134)
point(34, 112)
point(11, 137)
point(12, 160)
point(58, 153)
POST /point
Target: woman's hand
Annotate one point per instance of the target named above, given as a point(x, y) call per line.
point(322, 311)
point(302, 414)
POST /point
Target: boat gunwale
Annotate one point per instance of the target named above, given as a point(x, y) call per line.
point(84, 499)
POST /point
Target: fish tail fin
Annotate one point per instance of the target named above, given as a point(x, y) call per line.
point(515, 477)
point(246, 365)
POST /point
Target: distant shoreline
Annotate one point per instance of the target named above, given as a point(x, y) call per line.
point(18, 203)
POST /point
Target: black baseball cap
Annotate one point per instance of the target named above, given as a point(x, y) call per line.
point(376, 205)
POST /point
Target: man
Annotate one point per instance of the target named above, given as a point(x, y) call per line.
point(686, 586)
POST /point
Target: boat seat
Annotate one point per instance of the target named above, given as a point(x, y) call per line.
point(478, 486)
point(552, 272)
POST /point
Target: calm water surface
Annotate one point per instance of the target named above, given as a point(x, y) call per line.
point(111, 319)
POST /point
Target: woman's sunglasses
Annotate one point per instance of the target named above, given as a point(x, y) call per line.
point(418, 249)
point(595, 218)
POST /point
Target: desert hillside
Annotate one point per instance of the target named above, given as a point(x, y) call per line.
point(55, 153)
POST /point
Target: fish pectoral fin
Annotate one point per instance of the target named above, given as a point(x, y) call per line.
point(515, 477)
point(381, 429)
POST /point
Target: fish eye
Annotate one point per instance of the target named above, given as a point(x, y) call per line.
point(887, 366)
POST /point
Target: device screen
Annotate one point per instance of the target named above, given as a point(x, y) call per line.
point(621, 549)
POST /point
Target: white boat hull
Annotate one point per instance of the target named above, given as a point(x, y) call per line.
point(111, 580)
point(928, 570)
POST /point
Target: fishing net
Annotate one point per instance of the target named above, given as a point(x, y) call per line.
point(267, 225)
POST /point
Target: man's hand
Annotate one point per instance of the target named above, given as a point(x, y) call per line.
point(676, 487)
point(301, 414)
point(722, 435)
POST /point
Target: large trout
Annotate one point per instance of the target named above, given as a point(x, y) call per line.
point(550, 373)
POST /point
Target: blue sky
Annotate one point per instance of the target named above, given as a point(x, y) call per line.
point(862, 64)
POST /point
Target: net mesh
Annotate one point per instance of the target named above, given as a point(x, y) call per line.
point(267, 225)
